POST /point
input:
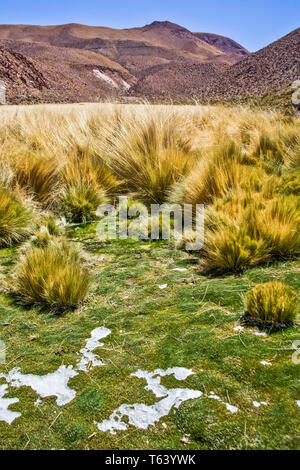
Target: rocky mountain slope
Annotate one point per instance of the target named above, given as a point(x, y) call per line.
point(68, 75)
point(152, 44)
point(20, 75)
point(224, 44)
point(174, 81)
point(270, 70)
point(162, 60)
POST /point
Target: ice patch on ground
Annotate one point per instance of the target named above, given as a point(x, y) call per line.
point(104, 77)
point(5, 414)
point(87, 355)
point(258, 404)
point(142, 416)
point(265, 363)
point(53, 384)
point(231, 408)
point(238, 328)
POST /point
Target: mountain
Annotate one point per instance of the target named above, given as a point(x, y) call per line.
point(91, 63)
point(70, 74)
point(270, 70)
point(135, 48)
point(162, 60)
point(224, 44)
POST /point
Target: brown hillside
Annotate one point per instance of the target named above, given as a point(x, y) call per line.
point(20, 74)
point(224, 44)
point(159, 42)
point(271, 69)
point(162, 60)
point(67, 75)
point(174, 81)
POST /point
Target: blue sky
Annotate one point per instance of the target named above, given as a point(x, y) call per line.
point(253, 23)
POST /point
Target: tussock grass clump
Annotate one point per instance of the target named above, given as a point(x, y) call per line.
point(245, 230)
point(50, 223)
point(214, 175)
point(79, 203)
point(272, 303)
point(233, 249)
point(14, 219)
point(290, 183)
point(87, 167)
point(279, 226)
point(269, 149)
point(39, 176)
point(219, 172)
point(149, 155)
point(52, 276)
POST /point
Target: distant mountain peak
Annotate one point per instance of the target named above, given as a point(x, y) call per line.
point(164, 24)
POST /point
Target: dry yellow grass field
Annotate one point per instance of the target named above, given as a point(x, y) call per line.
point(242, 164)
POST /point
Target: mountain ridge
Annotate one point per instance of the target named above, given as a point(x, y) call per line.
point(161, 60)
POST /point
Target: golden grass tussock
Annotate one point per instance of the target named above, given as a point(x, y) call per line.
point(15, 219)
point(53, 276)
point(272, 303)
point(149, 153)
point(246, 230)
point(38, 175)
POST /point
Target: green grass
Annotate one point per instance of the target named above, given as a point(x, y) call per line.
point(188, 324)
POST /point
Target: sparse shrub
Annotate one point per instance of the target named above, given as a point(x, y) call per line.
point(14, 219)
point(52, 276)
point(80, 202)
point(273, 302)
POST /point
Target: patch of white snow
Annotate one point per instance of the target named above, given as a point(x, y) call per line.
point(231, 408)
point(5, 414)
point(142, 416)
point(104, 77)
point(265, 363)
point(87, 355)
point(53, 384)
